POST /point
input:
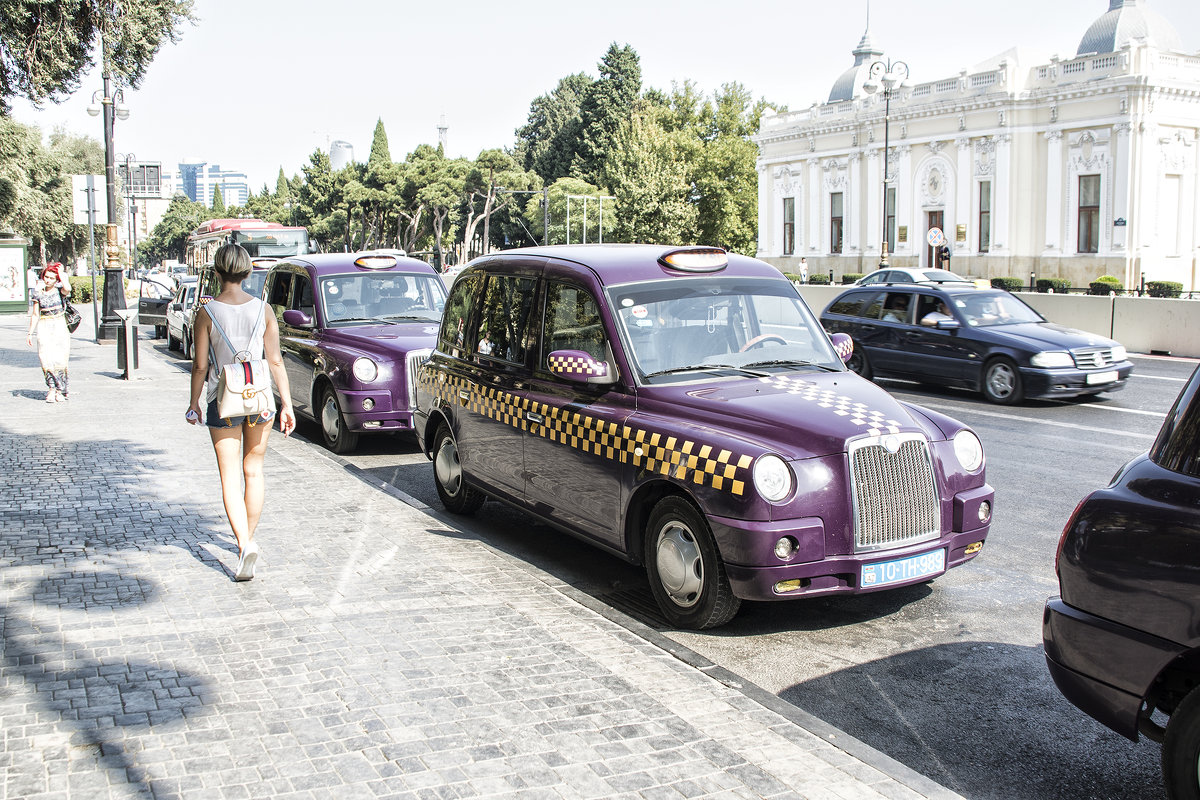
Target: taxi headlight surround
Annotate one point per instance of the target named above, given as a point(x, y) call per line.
point(1052, 358)
point(772, 478)
point(968, 450)
point(1119, 353)
point(365, 369)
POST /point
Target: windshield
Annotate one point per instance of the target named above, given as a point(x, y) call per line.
point(677, 329)
point(1000, 308)
point(271, 242)
point(365, 297)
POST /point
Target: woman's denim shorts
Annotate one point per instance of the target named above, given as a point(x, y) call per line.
point(213, 420)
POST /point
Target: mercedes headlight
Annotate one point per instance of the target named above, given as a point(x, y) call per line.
point(968, 450)
point(772, 478)
point(1052, 358)
point(365, 369)
point(1119, 354)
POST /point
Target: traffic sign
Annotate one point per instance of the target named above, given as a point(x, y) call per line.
point(935, 237)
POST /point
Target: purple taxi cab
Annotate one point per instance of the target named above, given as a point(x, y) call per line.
point(353, 327)
point(683, 409)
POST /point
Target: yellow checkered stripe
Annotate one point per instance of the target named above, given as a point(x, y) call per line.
point(573, 365)
point(670, 456)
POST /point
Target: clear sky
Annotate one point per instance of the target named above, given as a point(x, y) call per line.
point(255, 86)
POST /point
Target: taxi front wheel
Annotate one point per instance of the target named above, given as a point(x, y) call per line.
point(687, 575)
point(333, 424)
point(1181, 750)
point(456, 495)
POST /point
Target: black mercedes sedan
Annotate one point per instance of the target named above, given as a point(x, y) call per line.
point(984, 340)
point(1122, 639)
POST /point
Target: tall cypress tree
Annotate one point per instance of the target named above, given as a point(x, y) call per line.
point(606, 105)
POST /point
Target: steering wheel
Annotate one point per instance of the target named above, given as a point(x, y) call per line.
point(762, 338)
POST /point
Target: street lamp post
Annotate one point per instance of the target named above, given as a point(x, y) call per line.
point(886, 76)
point(545, 193)
point(131, 202)
point(113, 107)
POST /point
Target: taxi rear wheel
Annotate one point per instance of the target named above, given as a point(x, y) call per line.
point(333, 424)
point(1002, 382)
point(1181, 750)
point(456, 495)
point(687, 575)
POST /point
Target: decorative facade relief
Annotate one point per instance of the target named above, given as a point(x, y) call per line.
point(933, 179)
point(985, 156)
point(835, 174)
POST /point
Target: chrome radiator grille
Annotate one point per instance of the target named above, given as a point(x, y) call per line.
point(1093, 357)
point(895, 494)
point(412, 366)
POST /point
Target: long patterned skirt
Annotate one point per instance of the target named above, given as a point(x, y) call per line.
point(54, 350)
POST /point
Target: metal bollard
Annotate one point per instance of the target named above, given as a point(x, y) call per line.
point(127, 352)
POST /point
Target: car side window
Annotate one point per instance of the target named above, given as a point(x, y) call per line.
point(848, 305)
point(895, 307)
point(302, 295)
point(572, 322)
point(504, 318)
point(452, 337)
point(1178, 444)
point(873, 308)
point(277, 296)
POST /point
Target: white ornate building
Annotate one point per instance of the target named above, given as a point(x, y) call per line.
point(1061, 168)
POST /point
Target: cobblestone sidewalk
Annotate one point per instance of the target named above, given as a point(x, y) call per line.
point(378, 654)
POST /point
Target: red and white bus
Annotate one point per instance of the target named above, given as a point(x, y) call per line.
point(266, 242)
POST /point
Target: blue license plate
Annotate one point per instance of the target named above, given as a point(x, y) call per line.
point(903, 569)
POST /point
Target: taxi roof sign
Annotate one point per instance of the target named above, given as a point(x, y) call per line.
point(375, 262)
point(695, 259)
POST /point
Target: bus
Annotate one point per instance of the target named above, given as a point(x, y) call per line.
point(266, 242)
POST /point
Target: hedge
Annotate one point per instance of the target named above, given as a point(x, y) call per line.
point(851, 277)
point(1056, 285)
point(1007, 284)
point(1105, 285)
point(793, 277)
point(818, 277)
point(1164, 288)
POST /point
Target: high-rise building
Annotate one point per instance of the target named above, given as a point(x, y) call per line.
point(199, 180)
point(341, 154)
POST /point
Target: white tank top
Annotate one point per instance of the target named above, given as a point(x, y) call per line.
point(239, 323)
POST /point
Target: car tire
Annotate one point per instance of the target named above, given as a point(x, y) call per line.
point(686, 573)
point(456, 495)
point(858, 363)
point(187, 346)
point(333, 424)
point(160, 331)
point(1002, 381)
point(172, 343)
point(1181, 750)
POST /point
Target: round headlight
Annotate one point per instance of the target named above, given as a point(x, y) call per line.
point(365, 369)
point(772, 478)
point(968, 450)
point(1118, 353)
point(1052, 358)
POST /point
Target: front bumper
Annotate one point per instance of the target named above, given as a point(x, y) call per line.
point(1044, 383)
point(384, 416)
point(1104, 668)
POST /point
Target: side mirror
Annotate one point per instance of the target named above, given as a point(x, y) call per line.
point(579, 367)
point(177, 306)
point(947, 324)
point(297, 319)
point(843, 344)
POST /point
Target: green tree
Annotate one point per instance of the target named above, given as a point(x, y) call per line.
point(218, 205)
point(77, 155)
point(606, 106)
point(35, 196)
point(492, 171)
point(648, 173)
point(170, 235)
point(45, 47)
point(321, 202)
point(564, 192)
point(546, 142)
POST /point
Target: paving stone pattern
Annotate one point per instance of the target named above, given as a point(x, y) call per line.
point(378, 654)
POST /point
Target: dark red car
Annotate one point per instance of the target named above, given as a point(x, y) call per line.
point(1122, 639)
point(683, 409)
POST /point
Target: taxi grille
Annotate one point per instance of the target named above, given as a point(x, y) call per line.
point(895, 494)
point(412, 368)
point(1093, 357)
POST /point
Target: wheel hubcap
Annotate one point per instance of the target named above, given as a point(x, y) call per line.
point(330, 420)
point(680, 568)
point(1000, 380)
point(447, 468)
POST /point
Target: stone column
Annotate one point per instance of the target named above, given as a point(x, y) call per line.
point(764, 200)
point(1054, 193)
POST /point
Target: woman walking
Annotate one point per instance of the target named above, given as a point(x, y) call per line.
point(240, 442)
point(47, 303)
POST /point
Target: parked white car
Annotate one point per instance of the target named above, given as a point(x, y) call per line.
point(180, 306)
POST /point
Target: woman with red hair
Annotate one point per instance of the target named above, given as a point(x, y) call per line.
point(47, 302)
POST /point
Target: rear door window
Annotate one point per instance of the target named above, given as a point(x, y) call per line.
point(504, 318)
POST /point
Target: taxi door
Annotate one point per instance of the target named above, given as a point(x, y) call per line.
point(287, 291)
point(497, 342)
point(573, 458)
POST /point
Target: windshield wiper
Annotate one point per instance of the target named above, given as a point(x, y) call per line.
point(705, 368)
point(409, 316)
point(362, 319)
point(792, 362)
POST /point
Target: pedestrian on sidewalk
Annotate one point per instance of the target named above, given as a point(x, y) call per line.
point(47, 304)
point(240, 442)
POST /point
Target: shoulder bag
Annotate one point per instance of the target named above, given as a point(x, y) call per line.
point(244, 387)
point(72, 316)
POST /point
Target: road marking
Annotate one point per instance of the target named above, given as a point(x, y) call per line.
point(1161, 378)
point(1159, 414)
point(1037, 421)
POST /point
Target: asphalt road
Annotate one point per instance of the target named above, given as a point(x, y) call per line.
point(948, 677)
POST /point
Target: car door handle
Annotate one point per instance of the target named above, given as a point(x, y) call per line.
point(537, 419)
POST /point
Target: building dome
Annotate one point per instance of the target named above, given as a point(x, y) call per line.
point(1125, 21)
point(849, 85)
